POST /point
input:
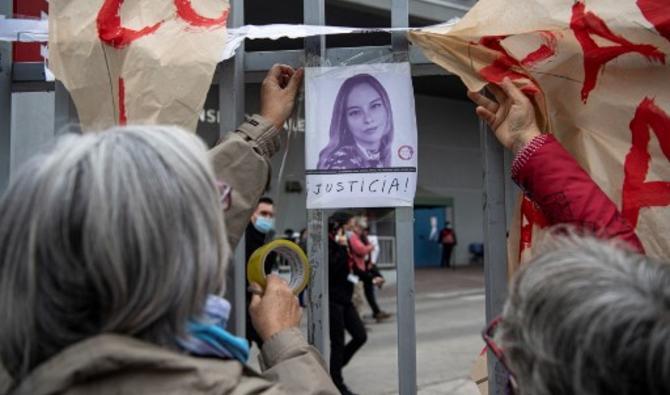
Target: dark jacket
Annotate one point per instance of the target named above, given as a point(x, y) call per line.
point(340, 289)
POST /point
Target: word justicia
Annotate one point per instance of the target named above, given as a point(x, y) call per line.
point(385, 185)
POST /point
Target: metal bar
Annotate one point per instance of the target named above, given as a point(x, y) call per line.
point(231, 103)
point(495, 249)
point(317, 241)
point(404, 218)
point(318, 326)
point(5, 103)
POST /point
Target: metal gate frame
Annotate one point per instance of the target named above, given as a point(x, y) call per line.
point(231, 95)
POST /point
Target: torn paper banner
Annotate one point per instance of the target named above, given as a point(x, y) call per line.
point(602, 69)
point(25, 30)
point(136, 62)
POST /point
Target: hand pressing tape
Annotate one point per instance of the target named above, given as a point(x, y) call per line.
point(292, 254)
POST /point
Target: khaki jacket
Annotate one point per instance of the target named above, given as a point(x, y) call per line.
point(113, 364)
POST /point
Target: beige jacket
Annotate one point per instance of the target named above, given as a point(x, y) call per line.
point(112, 364)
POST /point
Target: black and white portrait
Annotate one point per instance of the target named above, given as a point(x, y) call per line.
point(360, 135)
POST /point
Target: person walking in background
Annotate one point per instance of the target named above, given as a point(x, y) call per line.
point(371, 277)
point(343, 313)
point(448, 241)
point(259, 230)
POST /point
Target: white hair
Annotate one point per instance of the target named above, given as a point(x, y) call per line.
point(119, 231)
point(587, 317)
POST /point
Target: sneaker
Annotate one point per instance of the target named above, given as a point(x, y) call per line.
point(381, 316)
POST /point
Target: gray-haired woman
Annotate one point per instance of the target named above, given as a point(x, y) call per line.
point(113, 248)
point(586, 317)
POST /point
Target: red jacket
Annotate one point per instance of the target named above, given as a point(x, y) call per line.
point(358, 250)
point(566, 194)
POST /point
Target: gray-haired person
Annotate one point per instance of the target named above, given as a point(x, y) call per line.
point(586, 317)
point(113, 249)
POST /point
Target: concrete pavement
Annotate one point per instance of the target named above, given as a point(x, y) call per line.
point(449, 319)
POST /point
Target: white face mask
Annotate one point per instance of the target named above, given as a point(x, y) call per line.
point(349, 233)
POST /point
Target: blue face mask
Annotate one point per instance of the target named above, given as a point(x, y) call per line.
point(264, 224)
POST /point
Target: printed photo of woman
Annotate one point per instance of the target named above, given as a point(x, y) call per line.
point(361, 130)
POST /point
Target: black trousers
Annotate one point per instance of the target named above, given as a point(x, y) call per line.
point(344, 317)
point(369, 288)
point(446, 255)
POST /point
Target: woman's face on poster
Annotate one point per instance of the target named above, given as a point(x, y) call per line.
point(366, 115)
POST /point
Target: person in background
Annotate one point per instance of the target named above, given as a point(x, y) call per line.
point(289, 235)
point(259, 231)
point(448, 240)
point(302, 239)
point(371, 277)
point(343, 313)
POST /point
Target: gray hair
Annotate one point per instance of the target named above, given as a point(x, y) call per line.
point(120, 231)
point(587, 317)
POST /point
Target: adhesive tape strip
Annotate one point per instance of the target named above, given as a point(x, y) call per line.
point(291, 252)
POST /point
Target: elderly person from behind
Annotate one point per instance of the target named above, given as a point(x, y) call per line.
point(113, 251)
point(585, 316)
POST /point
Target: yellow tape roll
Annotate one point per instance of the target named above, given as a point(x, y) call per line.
point(294, 255)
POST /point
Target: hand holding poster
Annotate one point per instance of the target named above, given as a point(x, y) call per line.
point(136, 61)
point(602, 69)
point(361, 139)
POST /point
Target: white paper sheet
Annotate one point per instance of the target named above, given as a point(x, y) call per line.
point(361, 136)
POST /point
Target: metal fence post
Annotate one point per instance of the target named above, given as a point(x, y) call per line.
point(495, 248)
point(5, 103)
point(231, 110)
point(404, 219)
point(317, 242)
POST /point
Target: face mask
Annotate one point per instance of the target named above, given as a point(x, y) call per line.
point(264, 224)
point(349, 233)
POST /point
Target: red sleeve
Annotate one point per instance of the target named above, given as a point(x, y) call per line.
point(358, 247)
point(566, 194)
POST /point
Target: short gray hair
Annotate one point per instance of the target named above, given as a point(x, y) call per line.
point(588, 317)
point(119, 231)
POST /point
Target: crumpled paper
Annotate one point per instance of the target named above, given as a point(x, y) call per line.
point(598, 74)
point(137, 62)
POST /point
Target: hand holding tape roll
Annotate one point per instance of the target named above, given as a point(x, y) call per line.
point(292, 253)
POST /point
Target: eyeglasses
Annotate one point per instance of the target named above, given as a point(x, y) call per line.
point(225, 194)
point(488, 334)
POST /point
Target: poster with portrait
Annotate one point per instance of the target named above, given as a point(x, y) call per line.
point(360, 136)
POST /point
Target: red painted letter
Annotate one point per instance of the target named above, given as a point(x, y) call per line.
point(186, 12)
point(658, 13)
point(636, 192)
point(503, 65)
point(584, 24)
point(110, 30)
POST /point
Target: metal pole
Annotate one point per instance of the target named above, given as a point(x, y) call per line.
point(317, 241)
point(495, 248)
point(231, 110)
point(404, 219)
point(5, 103)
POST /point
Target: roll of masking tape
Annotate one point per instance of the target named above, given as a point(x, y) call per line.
point(291, 252)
